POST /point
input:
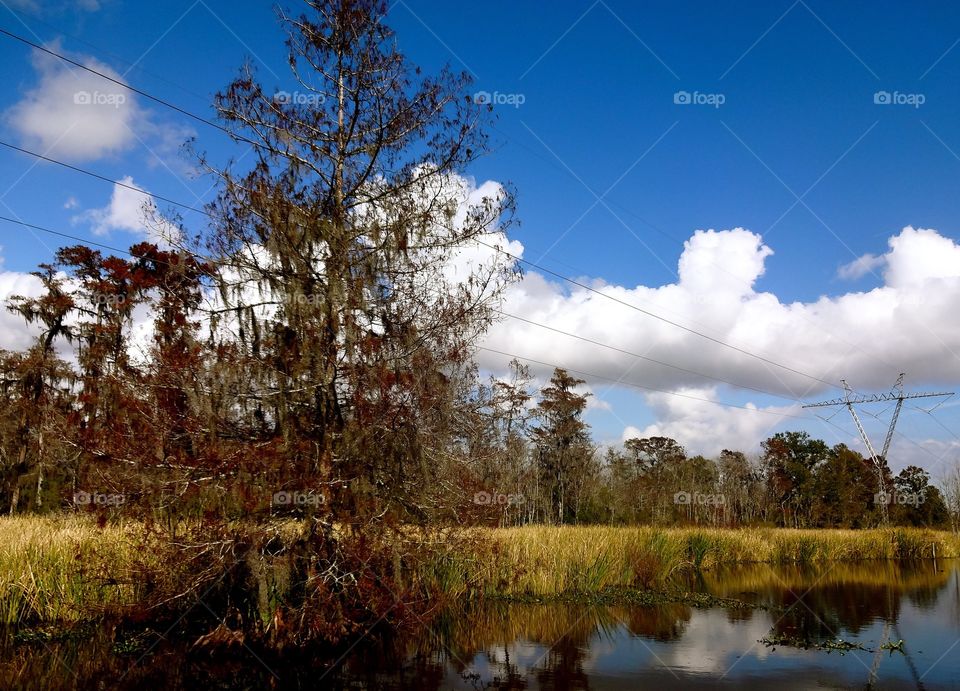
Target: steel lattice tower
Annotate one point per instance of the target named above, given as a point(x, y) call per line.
point(851, 399)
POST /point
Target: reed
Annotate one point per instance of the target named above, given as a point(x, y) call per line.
point(68, 568)
point(546, 560)
point(62, 569)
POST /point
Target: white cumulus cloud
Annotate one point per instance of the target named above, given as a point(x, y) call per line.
point(129, 211)
point(907, 324)
point(74, 114)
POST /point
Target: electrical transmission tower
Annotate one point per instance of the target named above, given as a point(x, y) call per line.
point(851, 399)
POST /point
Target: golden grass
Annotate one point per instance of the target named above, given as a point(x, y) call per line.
point(63, 568)
point(68, 568)
point(545, 560)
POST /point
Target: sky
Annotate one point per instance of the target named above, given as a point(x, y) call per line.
point(770, 187)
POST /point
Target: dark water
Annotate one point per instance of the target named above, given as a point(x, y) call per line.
point(577, 647)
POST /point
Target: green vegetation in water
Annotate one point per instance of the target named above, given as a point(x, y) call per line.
point(644, 597)
point(891, 646)
point(51, 633)
point(829, 645)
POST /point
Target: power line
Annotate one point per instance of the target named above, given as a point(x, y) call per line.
point(62, 235)
point(506, 314)
point(498, 249)
point(514, 257)
point(141, 92)
point(655, 316)
point(526, 359)
point(101, 245)
point(642, 357)
point(98, 176)
point(620, 382)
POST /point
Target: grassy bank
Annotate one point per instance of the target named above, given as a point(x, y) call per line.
point(543, 560)
point(69, 568)
point(63, 569)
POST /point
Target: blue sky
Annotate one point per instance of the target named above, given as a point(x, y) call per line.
point(598, 84)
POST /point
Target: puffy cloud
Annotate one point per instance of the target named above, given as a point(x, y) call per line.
point(48, 7)
point(707, 428)
point(14, 333)
point(918, 258)
point(860, 267)
point(722, 262)
point(907, 324)
point(129, 211)
point(74, 114)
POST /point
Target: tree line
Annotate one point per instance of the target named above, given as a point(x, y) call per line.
point(535, 457)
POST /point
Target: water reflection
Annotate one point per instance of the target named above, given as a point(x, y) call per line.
point(562, 646)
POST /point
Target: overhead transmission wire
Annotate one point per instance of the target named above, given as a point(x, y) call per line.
point(145, 193)
point(98, 176)
point(527, 262)
point(518, 357)
point(504, 313)
point(234, 135)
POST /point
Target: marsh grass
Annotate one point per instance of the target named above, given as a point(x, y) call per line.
point(66, 569)
point(62, 569)
point(545, 560)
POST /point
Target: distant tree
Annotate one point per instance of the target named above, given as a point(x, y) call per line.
point(741, 484)
point(624, 497)
point(698, 477)
point(659, 464)
point(791, 460)
point(654, 452)
point(845, 487)
point(950, 484)
point(562, 442)
point(917, 502)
